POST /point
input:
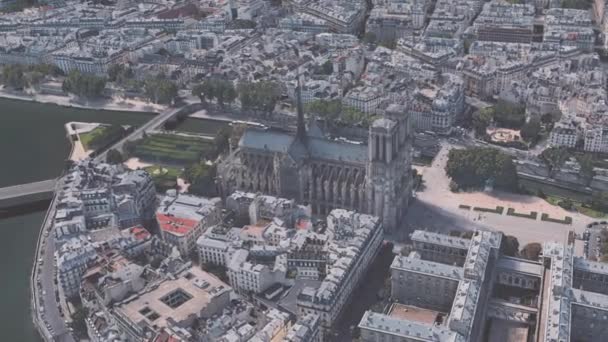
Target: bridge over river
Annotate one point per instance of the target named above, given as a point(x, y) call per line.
point(21, 198)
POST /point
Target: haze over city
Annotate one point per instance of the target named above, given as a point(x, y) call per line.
point(304, 170)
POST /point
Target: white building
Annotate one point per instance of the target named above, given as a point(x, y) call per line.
point(354, 241)
point(183, 218)
point(563, 134)
point(596, 139)
point(73, 259)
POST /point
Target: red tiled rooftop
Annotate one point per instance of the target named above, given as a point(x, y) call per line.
point(175, 225)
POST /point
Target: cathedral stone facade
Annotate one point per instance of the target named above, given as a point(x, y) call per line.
point(326, 174)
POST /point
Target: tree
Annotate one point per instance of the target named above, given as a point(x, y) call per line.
point(547, 119)
point(370, 38)
point(79, 324)
point(201, 178)
point(114, 157)
point(259, 96)
point(160, 90)
point(566, 204)
point(510, 115)
point(531, 251)
point(509, 245)
point(554, 159)
point(215, 88)
point(481, 120)
point(13, 76)
point(473, 167)
point(599, 201)
point(84, 85)
point(530, 130)
point(327, 68)
point(120, 74)
point(222, 140)
point(586, 170)
point(327, 109)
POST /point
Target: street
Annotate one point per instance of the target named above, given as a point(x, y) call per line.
point(44, 272)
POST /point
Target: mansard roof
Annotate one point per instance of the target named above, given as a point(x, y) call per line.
point(314, 147)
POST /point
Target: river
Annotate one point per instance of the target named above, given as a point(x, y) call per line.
point(33, 146)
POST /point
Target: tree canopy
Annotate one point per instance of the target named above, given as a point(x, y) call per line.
point(531, 251)
point(554, 159)
point(509, 245)
point(586, 170)
point(114, 157)
point(201, 178)
point(84, 85)
point(472, 167)
point(530, 130)
point(599, 201)
point(160, 90)
point(19, 76)
point(259, 96)
point(509, 115)
point(333, 110)
point(481, 120)
point(120, 73)
point(215, 88)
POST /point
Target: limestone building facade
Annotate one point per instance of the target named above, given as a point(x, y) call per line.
point(327, 173)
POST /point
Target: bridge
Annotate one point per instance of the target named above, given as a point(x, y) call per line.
point(154, 123)
point(17, 198)
point(45, 309)
point(21, 198)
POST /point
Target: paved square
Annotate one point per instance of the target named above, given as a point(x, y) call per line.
point(436, 208)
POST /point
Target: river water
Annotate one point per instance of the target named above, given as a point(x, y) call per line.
point(33, 146)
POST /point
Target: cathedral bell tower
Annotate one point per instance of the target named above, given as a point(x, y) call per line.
point(389, 169)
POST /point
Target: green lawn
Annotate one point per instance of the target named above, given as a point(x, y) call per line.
point(590, 212)
point(172, 149)
point(553, 199)
point(579, 207)
point(86, 138)
point(164, 177)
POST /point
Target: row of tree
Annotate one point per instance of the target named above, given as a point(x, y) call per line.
point(18, 76)
point(220, 90)
point(256, 96)
point(504, 114)
point(333, 110)
point(554, 158)
point(86, 86)
point(473, 167)
point(122, 75)
point(160, 90)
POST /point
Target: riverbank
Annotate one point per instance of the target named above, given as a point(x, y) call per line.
point(34, 148)
point(113, 104)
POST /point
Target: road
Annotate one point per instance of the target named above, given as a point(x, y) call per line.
point(46, 307)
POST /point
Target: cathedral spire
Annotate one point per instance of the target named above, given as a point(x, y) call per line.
point(301, 130)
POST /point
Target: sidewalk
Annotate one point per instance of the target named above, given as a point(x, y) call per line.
point(114, 104)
